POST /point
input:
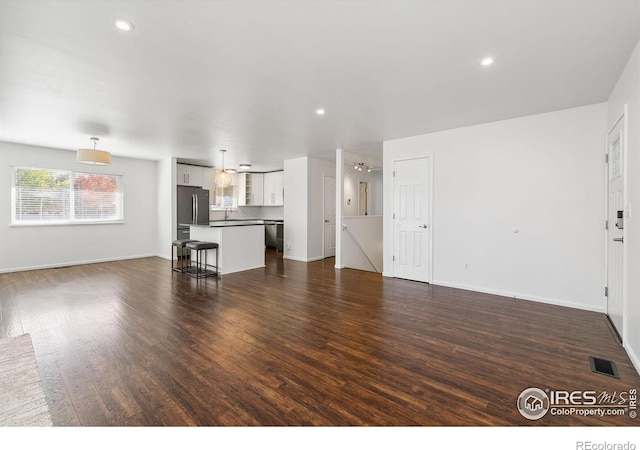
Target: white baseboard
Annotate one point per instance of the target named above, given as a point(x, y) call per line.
point(306, 260)
point(294, 258)
point(242, 270)
point(74, 263)
point(550, 301)
point(632, 356)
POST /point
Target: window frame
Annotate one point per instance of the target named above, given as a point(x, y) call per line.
point(71, 199)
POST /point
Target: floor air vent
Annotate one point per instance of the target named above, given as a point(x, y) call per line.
point(603, 366)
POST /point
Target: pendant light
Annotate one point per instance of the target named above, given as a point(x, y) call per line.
point(223, 179)
point(92, 156)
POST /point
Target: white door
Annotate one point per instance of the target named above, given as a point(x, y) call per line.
point(329, 241)
point(412, 219)
point(615, 234)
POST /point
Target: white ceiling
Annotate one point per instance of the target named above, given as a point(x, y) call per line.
point(247, 76)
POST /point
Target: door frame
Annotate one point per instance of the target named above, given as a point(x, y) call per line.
point(620, 117)
point(324, 205)
point(428, 156)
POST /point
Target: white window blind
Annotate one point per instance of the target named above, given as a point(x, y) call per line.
point(96, 197)
point(41, 196)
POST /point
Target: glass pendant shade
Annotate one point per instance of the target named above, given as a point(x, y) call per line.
point(223, 179)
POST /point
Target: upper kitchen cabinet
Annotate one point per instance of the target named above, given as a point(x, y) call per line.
point(274, 188)
point(251, 189)
point(209, 182)
point(188, 175)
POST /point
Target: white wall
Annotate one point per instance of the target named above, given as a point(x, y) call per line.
point(362, 243)
point(303, 207)
point(542, 175)
point(166, 198)
point(31, 247)
point(352, 178)
point(627, 91)
point(295, 208)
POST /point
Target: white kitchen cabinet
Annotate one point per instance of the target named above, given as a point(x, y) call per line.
point(251, 189)
point(209, 182)
point(188, 175)
point(274, 188)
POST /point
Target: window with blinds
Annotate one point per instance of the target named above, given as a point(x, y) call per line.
point(41, 196)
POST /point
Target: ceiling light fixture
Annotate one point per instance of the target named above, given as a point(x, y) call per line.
point(487, 61)
point(92, 156)
point(245, 166)
point(362, 166)
point(231, 170)
point(123, 25)
point(320, 112)
point(223, 179)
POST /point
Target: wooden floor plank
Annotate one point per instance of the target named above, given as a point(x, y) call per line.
point(131, 343)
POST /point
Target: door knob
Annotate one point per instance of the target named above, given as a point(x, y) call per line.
point(618, 239)
point(423, 226)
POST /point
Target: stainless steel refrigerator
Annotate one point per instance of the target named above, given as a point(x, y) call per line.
point(193, 209)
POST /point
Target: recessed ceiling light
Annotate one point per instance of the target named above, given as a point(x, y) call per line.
point(487, 61)
point(123, 25)
point(320, 111)
point(230, 170)
point(245, 166)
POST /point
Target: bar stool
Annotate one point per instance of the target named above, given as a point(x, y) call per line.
point(180, 254)
point(200, 270)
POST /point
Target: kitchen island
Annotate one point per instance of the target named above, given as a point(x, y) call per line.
point(240, 243)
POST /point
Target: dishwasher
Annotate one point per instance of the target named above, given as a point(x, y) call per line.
point(274, 234)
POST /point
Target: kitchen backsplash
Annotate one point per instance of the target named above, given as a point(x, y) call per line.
point(251, 212)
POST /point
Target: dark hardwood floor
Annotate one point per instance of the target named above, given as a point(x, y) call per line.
point(132, 343)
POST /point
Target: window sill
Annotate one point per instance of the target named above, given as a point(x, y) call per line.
point(57, 224)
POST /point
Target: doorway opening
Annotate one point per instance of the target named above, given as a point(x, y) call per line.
point(329, 217)
point(363, 198)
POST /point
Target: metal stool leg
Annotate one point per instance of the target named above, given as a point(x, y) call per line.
point(217, 266)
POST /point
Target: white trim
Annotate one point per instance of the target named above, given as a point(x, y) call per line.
point(633, 357)
point(339, 205)
point(625, 196)
point(324, 205)
point(625, 252)
point(242, 270)
point(605, 299)
point(75, 263)
point(55, 223)
point(306, 260)
point(518, 296)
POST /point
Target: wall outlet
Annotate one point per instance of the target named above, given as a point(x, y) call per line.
point(467, 267)
point(288, 246)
